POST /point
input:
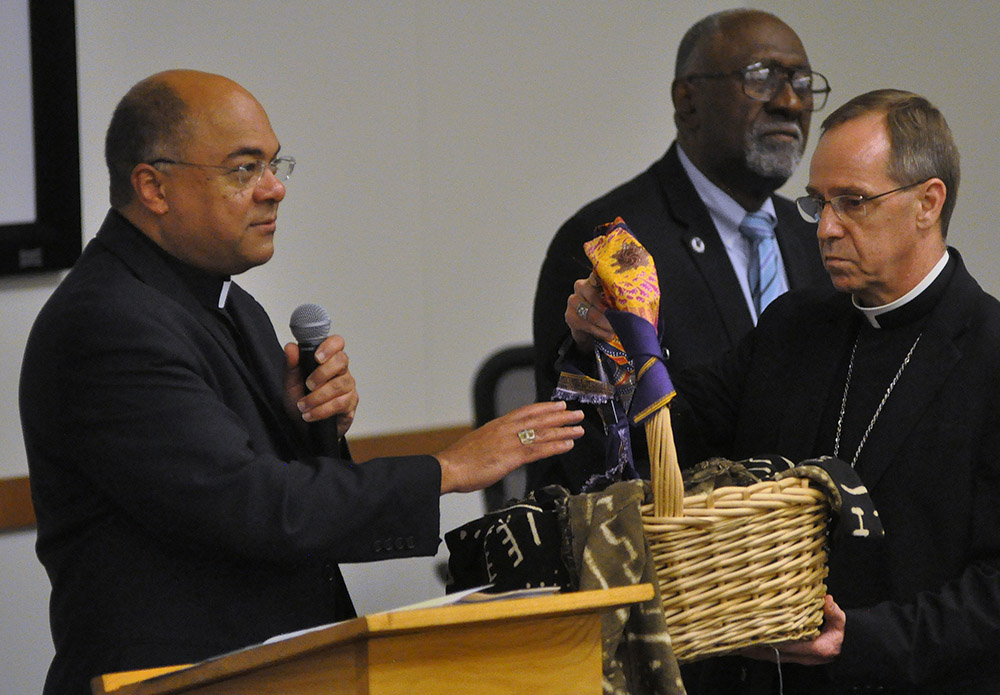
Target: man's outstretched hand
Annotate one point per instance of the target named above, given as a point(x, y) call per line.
point(490, 452)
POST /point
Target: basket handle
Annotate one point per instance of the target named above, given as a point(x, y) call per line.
point(665, 470)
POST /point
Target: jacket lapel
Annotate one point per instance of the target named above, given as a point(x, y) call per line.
point(269, 360)
point(118, 235)
point(702, 244)
point(813, 375)
point(929, 369)
point(798, 257)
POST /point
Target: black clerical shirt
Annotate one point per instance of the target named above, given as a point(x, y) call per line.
point(879, 355)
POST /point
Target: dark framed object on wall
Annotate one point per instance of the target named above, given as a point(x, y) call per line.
point(40, 220)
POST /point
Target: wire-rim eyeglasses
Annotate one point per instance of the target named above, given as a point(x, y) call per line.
point(248, 174)
point(762, 82)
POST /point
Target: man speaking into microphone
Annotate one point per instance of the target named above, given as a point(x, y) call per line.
point(181, 511)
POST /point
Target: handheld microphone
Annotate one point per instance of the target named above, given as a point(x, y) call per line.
point(310, 324)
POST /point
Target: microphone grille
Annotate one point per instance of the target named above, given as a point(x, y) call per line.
point(310, 324)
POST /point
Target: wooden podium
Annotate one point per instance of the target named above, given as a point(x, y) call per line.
point(549, 644)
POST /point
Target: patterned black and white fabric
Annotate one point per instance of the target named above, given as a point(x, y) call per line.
point(595, 540)
point(578, 542)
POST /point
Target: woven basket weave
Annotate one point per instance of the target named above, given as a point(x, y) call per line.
point(741, 565)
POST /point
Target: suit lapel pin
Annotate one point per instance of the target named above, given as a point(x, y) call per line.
point(698, 245)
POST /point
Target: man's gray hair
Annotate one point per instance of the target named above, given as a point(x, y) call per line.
point(689, 50)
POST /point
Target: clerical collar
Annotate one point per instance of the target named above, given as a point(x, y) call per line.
point(210, 289)
point(915, 303)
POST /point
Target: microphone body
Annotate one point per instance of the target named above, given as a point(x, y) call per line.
point(310, 324)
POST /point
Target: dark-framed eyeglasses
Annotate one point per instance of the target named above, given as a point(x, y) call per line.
point(848, 207)
point(762, 81)
point(247, 175)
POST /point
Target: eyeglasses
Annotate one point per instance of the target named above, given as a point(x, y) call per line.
point(847, 207)
point(762, 82)
point(247, 175)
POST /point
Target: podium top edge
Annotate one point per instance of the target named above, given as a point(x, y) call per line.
point(171, 679)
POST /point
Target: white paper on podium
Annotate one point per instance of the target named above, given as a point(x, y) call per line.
point(474, 595)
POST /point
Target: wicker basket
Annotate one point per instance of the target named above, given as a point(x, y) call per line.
point(740, 565)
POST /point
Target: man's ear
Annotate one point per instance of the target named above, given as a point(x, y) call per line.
point(931, 202)
point(685, 112)
point(147, 182)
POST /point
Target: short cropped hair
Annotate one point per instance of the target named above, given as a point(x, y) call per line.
point(149, 120)
point(921, 143)
point(688, 51)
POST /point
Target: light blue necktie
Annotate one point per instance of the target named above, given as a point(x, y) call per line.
point(762, 270)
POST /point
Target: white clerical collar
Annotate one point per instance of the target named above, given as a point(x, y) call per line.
point(872, 313)
point(224, 294)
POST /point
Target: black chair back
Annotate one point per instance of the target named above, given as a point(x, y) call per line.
point(505, 381)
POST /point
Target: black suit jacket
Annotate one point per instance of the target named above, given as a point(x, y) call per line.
point(179, 512)
point(703, 311)
point(923, 608)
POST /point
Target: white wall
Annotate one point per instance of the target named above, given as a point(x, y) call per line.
point(440, 144)
point(25, 644)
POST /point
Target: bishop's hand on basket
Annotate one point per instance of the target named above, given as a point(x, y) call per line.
point(821, 650)
point(585, 314)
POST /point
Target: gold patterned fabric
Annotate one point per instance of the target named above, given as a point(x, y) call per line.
point(626, 271)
